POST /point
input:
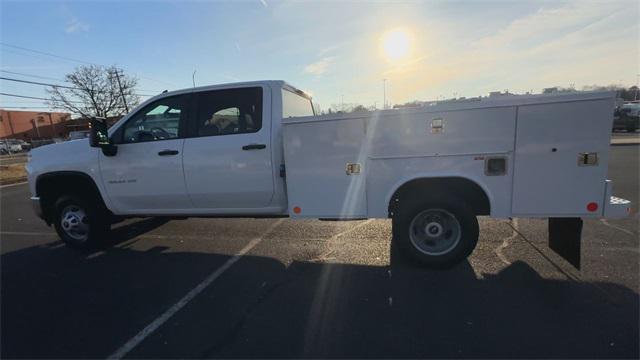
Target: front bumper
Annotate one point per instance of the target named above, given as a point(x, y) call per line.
point(37, 207)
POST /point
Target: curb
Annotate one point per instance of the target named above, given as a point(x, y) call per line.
point(625, 143)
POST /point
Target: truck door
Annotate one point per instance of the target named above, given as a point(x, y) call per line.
point(227, 157)
point(145, 176)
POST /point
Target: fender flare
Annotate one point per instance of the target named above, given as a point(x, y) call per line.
point(404, 180)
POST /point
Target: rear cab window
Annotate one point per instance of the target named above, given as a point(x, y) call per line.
point(228, 112)
point(296, 104)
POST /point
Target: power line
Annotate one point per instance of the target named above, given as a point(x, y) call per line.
point(47, 54)
point(29, 75)
point(54, 85)
point(68, 59)
point(37, 83)
point(32, 97)
point(56, 79)
point(26, 107)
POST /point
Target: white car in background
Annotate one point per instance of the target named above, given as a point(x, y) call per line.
point(75, 135)
point(12, 146)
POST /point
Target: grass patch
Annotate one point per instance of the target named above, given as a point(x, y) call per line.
point(12, 173)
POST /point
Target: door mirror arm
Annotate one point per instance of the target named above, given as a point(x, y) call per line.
point(99, 136)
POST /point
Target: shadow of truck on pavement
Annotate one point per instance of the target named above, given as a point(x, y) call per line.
point(61, 303)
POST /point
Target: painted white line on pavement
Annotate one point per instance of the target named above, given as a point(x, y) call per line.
point(159, 321)
point(26, 233)
point(606, 223)
point(16, 184)
point(506, 242)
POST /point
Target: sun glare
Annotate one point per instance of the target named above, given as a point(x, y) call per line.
point(396, 44)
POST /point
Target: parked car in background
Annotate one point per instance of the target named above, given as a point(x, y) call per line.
point(25, 145)
point(75, 135)
point(627, 117)
point(13, 146)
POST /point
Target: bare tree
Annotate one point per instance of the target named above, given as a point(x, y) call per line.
point(96, 91)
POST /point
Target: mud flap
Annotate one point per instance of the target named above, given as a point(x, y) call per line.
point(564, 238)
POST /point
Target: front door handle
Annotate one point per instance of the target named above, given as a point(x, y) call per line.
point(254, 147)
point(168, 152)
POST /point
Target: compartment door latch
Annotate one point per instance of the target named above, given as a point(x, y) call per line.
point(588, 159)
point(353, 169)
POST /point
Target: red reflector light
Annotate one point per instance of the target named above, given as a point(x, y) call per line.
point(297, 210)
point(592, 206)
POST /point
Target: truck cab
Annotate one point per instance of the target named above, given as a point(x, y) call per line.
point(203, 151)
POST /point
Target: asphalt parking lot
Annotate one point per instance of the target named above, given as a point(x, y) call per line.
point(240, 288)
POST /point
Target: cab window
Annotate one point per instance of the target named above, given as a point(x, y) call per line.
point(159, 120)
point(228, 112)
point(294, 105)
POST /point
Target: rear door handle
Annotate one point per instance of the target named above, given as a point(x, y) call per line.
point(254, 147)
point(168, 152)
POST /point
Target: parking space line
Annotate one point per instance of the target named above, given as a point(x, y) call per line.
point(159, 321)
point(27, 233)
point(606, 223)
point(507, 241)
point(10, 185)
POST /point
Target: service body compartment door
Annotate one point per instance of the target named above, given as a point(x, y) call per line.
point(561, 158)
point(326, 168)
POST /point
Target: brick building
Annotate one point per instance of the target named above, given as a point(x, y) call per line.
point(28, 125)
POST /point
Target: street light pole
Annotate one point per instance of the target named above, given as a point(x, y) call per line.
point(384, 94)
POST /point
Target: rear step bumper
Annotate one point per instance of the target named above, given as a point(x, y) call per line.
point(615, 207)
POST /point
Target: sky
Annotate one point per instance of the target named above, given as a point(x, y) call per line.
point(335, 50)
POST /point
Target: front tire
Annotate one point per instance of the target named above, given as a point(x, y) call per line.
point(79, 223)
point(437, 232)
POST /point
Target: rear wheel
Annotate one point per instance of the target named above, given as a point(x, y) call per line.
point(79, 223)
point(435, 231)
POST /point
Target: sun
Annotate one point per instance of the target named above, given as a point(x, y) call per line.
point(396, 44)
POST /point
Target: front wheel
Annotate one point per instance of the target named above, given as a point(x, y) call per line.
point(78, 223)
point(436, 231)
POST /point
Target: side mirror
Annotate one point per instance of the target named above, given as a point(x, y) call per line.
point(99, 136)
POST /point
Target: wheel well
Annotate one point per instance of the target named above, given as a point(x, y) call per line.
point(50, 186)
point(465, 189)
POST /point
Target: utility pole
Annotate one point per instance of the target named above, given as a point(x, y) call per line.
point(124, 100)
point(53, 126)
point(35, 124)
point(342, 102)
point(384, 94)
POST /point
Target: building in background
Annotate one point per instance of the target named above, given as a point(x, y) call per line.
point(30, 125)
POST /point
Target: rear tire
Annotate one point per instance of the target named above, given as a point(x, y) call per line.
point(80, 223)
point(435, 231)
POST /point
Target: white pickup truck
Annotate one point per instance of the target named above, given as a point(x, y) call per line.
point(257, 149)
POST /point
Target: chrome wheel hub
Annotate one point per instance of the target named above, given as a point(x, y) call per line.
point(74, 222)
point(435, 232)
